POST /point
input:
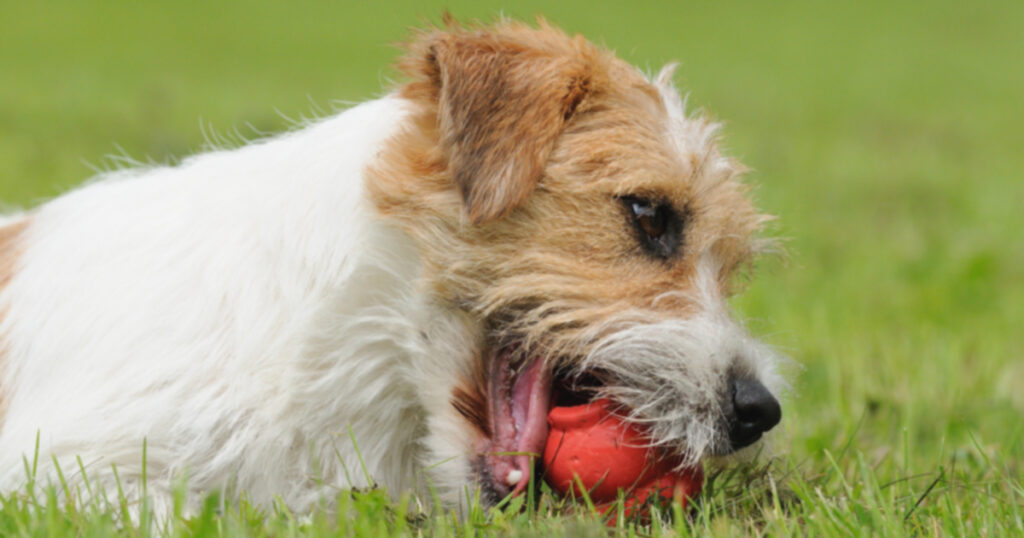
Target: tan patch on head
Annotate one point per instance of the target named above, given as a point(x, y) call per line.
point(10, 251)
point(536, 137)
point(498, 100)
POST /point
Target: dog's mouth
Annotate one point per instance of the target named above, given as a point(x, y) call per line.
point(519, 404)
point(520, 396)
point(524, 392)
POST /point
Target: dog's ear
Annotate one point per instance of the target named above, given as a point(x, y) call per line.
point(501, 106)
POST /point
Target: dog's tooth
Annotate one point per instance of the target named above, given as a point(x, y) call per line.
point(514, 476)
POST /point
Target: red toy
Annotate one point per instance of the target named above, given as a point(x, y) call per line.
point(607, 454)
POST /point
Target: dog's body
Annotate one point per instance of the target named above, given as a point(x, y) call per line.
point(241, 376)
point(401, 286)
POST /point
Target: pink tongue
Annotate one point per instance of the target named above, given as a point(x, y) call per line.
point(520, 420)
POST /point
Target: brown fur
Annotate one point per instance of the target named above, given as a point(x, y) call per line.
point(470, 400)
point(10, 250)
point(500, 104)
point(544, 253)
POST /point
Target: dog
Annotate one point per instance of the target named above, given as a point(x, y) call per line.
point(395, 295)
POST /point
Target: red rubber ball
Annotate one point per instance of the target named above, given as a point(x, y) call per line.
point(606, 453)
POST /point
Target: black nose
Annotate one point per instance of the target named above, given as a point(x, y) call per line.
point(756, 411)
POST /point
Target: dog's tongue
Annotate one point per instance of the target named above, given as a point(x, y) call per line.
point(519, 408)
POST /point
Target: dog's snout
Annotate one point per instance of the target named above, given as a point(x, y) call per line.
point(755, 411)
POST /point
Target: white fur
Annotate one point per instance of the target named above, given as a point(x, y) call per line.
point(243, 313)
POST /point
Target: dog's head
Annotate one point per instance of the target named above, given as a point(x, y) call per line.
point(589, 230)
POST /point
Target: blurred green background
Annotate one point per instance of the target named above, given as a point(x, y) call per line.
point(886, 137)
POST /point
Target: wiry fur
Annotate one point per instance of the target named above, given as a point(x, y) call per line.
point(681, 405)
point(270, 319)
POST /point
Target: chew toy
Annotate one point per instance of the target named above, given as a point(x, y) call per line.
point(589, 445)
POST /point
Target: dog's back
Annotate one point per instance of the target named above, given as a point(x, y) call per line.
point(174, 304)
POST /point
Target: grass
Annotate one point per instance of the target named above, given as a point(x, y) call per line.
point(884, 135)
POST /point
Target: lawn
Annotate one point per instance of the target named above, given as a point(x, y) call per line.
point(885, 136)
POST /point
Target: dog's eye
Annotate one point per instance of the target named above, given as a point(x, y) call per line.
point(657, 223)
point(652, 220)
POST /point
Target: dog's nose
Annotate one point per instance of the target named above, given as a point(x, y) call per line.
point(756, 411)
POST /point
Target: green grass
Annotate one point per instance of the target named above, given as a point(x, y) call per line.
point(886, 136)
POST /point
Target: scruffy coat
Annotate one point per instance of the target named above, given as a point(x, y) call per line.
point(268, 319)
